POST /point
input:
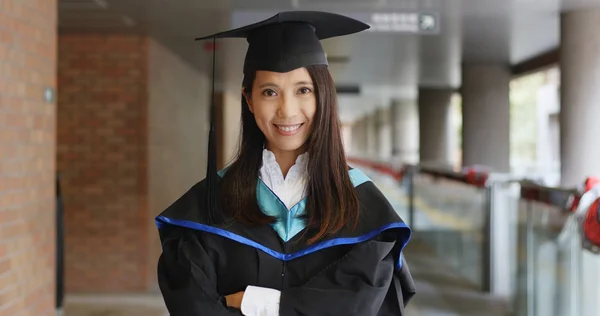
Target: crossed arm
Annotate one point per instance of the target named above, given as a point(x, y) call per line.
point(364, 282)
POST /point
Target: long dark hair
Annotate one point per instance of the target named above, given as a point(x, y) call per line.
point(332, 202)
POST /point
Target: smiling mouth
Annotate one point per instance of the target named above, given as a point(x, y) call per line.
point(288, 128)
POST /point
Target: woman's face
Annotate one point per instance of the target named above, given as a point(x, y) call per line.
point(283, 105)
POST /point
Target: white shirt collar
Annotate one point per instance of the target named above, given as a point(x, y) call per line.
point(292, 188)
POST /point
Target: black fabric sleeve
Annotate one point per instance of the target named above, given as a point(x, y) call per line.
point(362, 283)
point(405, 283)
point(400, 293)
point(187, 278)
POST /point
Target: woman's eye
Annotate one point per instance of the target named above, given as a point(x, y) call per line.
point(305, 90)
point(269, 93)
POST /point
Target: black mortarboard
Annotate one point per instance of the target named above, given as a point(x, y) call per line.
point(290, 40)
point(282, 43)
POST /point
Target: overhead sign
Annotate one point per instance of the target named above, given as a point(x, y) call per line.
point(392, 22)
point(424, 23)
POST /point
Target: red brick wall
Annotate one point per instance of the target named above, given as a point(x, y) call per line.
point(102, 156)
point(27, 163)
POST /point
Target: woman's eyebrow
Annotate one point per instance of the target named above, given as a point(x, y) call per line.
point(268, 84)
point(304, 83)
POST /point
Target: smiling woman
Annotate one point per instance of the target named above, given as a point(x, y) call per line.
point(295, 230)
point(284, 105)
point(286, 115)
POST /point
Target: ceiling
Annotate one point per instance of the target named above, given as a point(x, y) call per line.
point(384, 65)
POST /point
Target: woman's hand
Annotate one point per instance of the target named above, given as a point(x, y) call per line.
point(235, 300)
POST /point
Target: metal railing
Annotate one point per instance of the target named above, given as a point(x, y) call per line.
point(509, 237)
point(556, 276)
point(540, 258)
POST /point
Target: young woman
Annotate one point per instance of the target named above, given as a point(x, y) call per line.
point(288, 228)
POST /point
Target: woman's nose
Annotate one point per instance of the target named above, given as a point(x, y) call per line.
point(287, 107)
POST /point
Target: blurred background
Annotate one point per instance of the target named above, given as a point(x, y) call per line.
point(476, 118)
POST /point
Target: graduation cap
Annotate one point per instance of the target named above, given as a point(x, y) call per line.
point(282, 43)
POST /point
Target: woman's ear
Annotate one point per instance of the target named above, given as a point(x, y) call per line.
point(248, 100)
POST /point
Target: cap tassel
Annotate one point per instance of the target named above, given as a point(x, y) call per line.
point(212, 210)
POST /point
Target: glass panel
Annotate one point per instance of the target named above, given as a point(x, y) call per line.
point(548, 260)
point(450, 216)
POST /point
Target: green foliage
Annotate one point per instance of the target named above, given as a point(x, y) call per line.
point(524, 118)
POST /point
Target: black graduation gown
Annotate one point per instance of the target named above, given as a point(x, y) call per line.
point(358, 272)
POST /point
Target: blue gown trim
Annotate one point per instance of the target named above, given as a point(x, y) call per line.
point(161, 220)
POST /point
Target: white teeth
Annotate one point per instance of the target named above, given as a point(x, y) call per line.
point(288, 128)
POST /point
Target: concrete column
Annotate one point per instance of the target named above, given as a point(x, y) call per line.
point(404, 122)
point(486, 116)
point(357, 137)
point(346, 130)
point(434, 126)
point(580, 85)
point(384, 145)
point(580, 129)
point(354, 142)
point(372, 139)
point(364, 135)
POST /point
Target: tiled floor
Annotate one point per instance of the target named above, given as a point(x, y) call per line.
point(441, 293)
point(114, 305)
